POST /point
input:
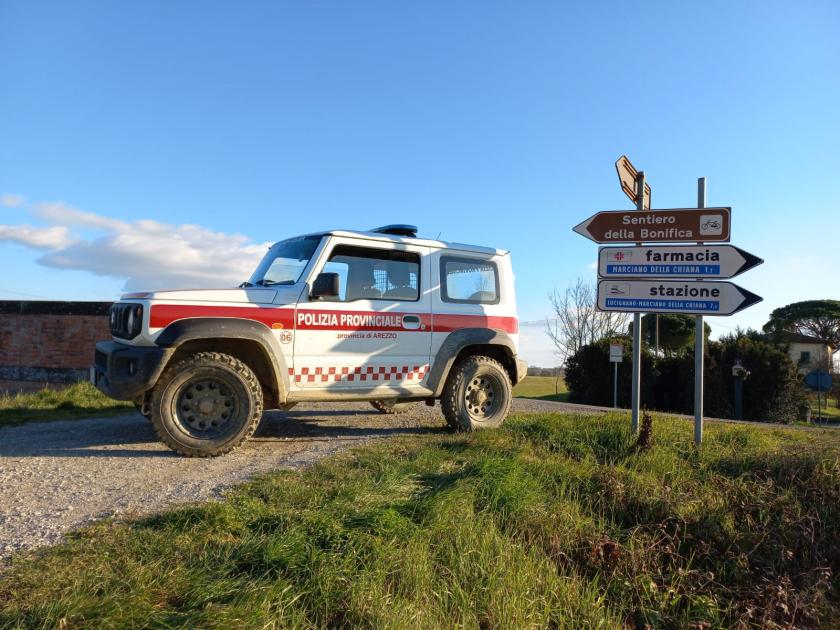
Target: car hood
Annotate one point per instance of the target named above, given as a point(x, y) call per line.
point(250, 295)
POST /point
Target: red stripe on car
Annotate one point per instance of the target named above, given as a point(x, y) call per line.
point(446, 322)
point(162, 315)
point(284, 318)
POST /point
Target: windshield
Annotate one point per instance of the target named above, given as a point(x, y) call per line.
point(285, 261)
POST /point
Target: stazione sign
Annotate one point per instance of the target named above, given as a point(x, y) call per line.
point(664, 296)
point(677, 225)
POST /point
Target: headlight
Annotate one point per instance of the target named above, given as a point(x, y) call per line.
point(126, 320)
point(135, 320)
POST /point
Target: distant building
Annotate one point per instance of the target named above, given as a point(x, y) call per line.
point(809, 353)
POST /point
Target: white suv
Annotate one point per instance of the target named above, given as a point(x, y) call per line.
point(381, 316)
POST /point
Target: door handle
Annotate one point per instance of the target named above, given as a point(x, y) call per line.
point(411, 322)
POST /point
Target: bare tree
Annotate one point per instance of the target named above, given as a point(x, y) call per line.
point(577, 321)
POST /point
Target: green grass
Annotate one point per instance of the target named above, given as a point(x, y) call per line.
point(80, 400)
point(830, 410)
point(542, 387)
point(553, 521)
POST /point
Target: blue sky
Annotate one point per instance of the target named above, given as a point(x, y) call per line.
point(142, 137)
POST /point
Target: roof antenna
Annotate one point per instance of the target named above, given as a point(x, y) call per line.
point(438, 236)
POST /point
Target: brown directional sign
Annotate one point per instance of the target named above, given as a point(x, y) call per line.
point(627, 175)
point(677, 225)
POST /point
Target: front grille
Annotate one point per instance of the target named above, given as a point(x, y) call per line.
point(126, 320)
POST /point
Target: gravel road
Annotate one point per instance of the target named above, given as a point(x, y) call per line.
point(57, 476)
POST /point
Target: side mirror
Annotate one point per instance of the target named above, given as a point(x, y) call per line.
point(325, 285)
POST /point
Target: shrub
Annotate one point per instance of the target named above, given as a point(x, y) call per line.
point(589, 374)
point(773, 391)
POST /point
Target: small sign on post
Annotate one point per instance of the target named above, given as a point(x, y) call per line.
point(628, 175)
point(616, 357)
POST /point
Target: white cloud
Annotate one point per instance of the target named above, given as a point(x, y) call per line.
point(49, 238)
point(60, 213)
point(146, 254)
point(10, 200)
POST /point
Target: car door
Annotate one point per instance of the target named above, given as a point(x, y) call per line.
point(377, 332)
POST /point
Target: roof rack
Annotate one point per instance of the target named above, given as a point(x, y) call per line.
point(397, 229)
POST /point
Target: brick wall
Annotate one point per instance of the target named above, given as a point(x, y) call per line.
point(50, 341)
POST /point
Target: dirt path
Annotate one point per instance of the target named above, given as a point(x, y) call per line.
point(57, 476)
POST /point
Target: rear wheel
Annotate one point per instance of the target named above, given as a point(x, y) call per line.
point(389, 406)
point(477, 394)
point(206, 404)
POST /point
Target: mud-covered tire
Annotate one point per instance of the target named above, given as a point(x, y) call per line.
point(389, 407)
point(477, 394)
point(206, 404)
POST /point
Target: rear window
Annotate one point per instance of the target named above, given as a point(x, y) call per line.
point(469, 280)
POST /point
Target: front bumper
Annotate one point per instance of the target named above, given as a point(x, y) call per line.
point(126, 372)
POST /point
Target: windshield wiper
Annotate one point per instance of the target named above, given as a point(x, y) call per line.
point(245, 285)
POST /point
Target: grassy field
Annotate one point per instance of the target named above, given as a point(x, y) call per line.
point(542, 387)
point(555, 521)
point(830, 410)
point(80, 400)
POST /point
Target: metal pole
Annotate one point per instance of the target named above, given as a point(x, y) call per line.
point(636, 381)
point(657, 335)
point(699, 341)
point(615, 385)
point(819, 402)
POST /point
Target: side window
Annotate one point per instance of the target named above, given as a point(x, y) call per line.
point(375, 274)
point(469, 280)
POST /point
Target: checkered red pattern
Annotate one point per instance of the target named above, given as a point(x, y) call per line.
point(359, 373)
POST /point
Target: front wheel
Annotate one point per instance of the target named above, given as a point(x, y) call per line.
point(206, 404)
point(477, 394)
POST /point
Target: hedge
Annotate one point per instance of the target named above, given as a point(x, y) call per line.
point(773, 391)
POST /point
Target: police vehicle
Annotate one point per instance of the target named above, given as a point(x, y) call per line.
point(379, 316)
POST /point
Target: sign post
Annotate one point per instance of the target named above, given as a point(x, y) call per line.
point(636, 379)
point(616, 357)
point(666, 278)
point(699, 343)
